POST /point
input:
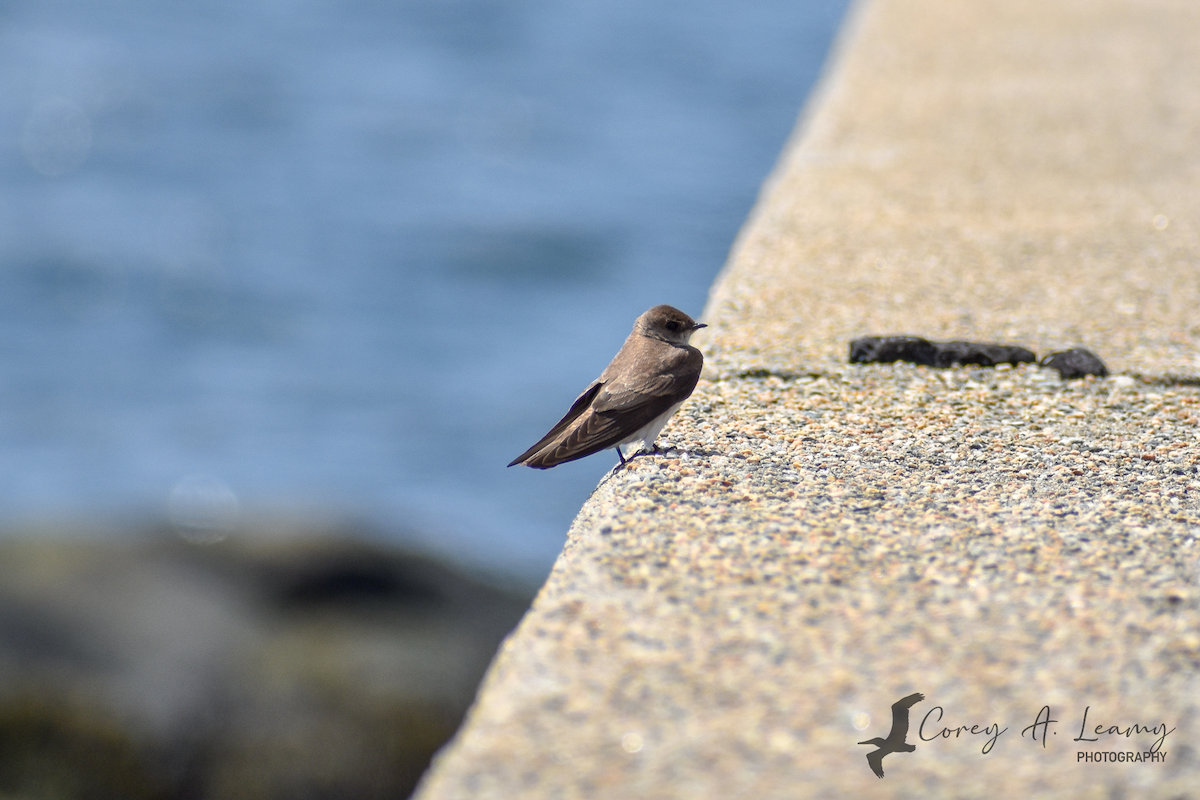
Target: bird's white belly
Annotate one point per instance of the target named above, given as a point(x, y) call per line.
point(645, 436)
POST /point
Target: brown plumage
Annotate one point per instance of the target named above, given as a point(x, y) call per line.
point(646, 382)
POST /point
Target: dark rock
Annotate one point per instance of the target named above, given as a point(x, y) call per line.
point(981, 354)
point(355, 576)
point(914, 349)
point(50, 749)
point(315, 665)
point(889, 349)
point(1076, 363)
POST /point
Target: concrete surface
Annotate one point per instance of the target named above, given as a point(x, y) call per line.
point(731, 619)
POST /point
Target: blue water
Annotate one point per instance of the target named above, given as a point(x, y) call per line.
point(351, 258)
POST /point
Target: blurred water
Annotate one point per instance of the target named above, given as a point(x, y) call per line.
point(354, 257)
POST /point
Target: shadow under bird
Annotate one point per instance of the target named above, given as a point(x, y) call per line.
point(895, 741)
point(626, 407)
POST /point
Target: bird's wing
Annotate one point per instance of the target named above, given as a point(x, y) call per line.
point(900, 715)
point(615, 407)
point(673, 378)
point(622, 407)
point(875, 759)
point(607, 423)
point(578, 407)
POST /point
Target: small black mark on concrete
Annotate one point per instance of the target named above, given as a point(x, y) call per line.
point(1165, 380)
point(914, 349)
point(762, 372)
point(781, 374)
point(1075, 363)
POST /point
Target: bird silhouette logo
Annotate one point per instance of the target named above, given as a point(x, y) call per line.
point(895, 741)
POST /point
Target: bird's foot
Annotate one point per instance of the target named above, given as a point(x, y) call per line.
point(655, 450)
point(621, 464)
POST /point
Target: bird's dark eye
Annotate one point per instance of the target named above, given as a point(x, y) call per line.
point(672, 326)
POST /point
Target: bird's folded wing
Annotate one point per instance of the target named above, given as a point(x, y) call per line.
point(620, 410)
point(578, 407)
point(651, 392)
point(614, 408)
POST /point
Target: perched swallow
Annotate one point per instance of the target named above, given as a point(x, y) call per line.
point(626, 407)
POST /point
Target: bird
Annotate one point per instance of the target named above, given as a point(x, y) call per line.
point(894, 743)
point(626, 407)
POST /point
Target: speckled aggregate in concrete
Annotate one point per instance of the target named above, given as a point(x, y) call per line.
point(729, 619)
point(1023, 172)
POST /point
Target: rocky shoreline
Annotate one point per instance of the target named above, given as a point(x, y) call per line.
point(316, 664)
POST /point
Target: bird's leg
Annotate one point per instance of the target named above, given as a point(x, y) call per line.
point(635, 454)
point(641, 451)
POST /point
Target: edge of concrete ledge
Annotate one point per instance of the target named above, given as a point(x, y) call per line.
point(731, 618)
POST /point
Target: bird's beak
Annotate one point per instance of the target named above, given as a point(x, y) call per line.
point(698, 326)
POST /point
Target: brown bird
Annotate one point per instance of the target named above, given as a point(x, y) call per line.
point(626, 407)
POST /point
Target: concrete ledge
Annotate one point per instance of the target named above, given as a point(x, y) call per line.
point(730, 620)
point(1001, 171)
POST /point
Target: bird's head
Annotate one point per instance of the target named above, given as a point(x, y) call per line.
point(667, 323)
point(877, 742)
